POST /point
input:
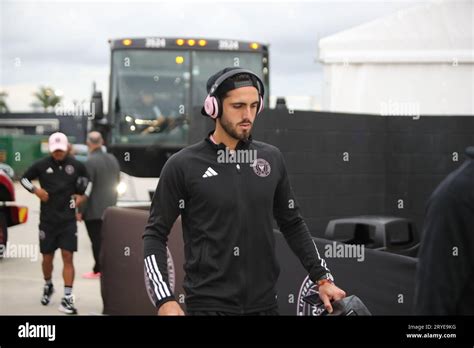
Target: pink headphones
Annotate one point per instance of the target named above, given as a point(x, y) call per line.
point(212, 104)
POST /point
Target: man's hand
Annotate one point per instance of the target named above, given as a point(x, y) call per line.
point(42, 194)
point(329, 292)
point(79, 217)
point(79, 199)
point(170, 308)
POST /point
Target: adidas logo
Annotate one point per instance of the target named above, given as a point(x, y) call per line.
point(49, 170)
point(209, 172)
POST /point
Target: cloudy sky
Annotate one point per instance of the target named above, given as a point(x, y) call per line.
point(63, 44)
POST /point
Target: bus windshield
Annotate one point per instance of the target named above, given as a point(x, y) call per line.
point(149, 95)
point(153, 91)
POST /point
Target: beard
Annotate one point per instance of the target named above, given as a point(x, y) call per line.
point(234, 131)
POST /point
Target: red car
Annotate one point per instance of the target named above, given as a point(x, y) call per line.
point(10, 213)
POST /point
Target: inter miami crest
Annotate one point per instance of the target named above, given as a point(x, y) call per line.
point(261, 167)
point(303, 308)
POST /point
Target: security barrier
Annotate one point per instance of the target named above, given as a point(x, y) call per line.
point(383, 281)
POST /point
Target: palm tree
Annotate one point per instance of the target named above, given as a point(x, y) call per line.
point(47, 98)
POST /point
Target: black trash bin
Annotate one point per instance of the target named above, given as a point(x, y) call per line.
point(393, 234)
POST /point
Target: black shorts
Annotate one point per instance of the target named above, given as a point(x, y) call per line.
point(54, 236)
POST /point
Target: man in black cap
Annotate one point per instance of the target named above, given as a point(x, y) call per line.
point(227, 205)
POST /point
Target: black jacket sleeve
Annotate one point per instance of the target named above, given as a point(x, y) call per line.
point(165, 208)
point(294, 229)
point(31, 173)
point(445, 259)
point(83, 182)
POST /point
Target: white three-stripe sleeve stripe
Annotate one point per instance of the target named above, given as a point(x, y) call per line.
point(150, 277)
point(27, 184)
point(88, 190)
point(212, 171)
point(322, 261)
point(161, 294)
point(159, 275)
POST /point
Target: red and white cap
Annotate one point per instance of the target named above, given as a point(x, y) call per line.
point(58, 141)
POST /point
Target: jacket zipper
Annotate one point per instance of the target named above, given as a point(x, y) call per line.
point(202, 259)
point(242, 247)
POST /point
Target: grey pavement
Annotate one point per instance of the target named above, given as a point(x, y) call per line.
point(21, 279)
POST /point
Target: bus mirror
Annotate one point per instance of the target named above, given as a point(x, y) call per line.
point(97, 108)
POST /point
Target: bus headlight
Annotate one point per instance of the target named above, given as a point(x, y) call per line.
point(254, 46)
point(121, 188)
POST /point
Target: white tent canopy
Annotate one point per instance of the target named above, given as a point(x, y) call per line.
point(421, 58)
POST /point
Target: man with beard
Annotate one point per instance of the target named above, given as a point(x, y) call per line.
point(227, 210)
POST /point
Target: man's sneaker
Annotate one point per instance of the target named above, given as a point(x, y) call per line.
point(48, 291)
point(67, 305)
point(91, 275)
